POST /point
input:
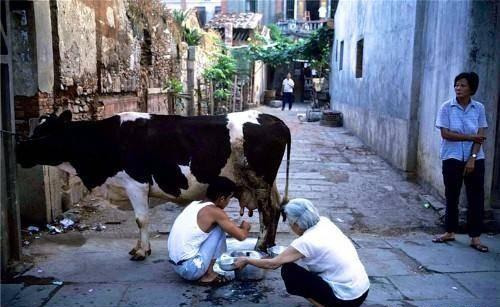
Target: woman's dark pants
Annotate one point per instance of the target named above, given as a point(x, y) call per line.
point(453, 176)
point(301, 282)
point(287, 98)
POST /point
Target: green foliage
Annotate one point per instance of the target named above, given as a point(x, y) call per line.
point(179, 17)
point(222, 94)
point(192, 37)
point(173, 86)
point(221, 74)
point(282, 50)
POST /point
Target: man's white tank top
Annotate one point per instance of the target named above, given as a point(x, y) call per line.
point(186, 236)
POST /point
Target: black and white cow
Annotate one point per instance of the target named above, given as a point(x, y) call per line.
point(170, 157)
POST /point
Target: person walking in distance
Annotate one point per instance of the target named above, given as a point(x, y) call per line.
point(287, 90)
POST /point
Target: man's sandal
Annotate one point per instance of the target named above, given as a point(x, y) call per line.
point(480, 247)
point(218, 281)
point(442, 239)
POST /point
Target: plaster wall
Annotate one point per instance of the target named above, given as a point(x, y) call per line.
point(23, 49)
point(44, 55)
point(445, 54)
point(377, 106)
point(77, 43)
point(412, 52)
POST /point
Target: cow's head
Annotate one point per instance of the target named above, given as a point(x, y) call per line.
point(46, 146)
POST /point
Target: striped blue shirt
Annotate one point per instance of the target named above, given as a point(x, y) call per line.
point(452, 116)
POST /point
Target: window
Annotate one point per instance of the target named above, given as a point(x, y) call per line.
point(341, 60)
point(252, 6)
point(336, 50)
point(290, 10)
point(359, 58)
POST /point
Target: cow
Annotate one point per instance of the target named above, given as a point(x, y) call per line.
point(171, 157)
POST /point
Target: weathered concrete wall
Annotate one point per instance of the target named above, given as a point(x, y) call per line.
point(377, 106)
point(445, 54)
point(44, 55)
point(23, 49)
point(259, 83)
point(412, 52)
point(77, 45)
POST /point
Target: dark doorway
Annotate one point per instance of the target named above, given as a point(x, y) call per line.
point(312, 6)
point(290, 9)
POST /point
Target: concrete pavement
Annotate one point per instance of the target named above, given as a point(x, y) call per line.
point(379, 208)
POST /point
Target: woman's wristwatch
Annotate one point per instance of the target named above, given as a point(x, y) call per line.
point(474, 156)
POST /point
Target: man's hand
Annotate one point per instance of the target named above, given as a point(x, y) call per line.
point(245, 226)
point(469, 166)
point(241, 262)
point(477, 138)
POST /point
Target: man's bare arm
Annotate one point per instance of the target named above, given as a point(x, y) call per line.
point(220, 217)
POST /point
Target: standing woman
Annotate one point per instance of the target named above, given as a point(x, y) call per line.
point(330, 273)
point(462, 122)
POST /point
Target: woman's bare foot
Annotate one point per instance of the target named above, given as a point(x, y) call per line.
point(475, 243)
point(447, 236)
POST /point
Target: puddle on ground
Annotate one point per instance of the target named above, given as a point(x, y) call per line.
point(252, 292)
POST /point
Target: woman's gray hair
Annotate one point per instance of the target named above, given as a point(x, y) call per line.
point(301, 212)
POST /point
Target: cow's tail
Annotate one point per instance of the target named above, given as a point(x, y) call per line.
point(284, 201)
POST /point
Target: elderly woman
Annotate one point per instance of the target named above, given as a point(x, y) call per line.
point(330, 272)
point(462, 122)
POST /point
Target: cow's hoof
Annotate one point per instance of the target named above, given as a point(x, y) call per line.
point(133, 251)
point(148, 252)
point(139, 255)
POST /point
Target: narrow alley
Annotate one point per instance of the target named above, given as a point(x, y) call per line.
point(388, 217)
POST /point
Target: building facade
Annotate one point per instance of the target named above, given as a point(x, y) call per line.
point(393, 65)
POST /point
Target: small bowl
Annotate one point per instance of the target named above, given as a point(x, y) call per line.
point(226, 262)
point(276, 250)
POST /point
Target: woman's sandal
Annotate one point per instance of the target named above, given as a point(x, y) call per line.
point(480, 247)
point(442, 239)
point(218, 281)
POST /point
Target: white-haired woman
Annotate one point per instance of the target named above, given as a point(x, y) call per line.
point(330, 273)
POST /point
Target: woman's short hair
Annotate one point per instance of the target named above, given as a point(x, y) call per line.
point(302, 212)
point(471, 77)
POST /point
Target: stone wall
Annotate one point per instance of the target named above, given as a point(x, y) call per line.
point(95, 58)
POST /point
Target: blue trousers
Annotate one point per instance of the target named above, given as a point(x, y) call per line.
point(195, 267)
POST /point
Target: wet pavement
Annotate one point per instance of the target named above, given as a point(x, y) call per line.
point(381, 209)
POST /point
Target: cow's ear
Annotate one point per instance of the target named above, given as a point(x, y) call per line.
point(65, 116)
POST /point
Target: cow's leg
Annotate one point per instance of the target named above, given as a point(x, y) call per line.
point(138, 195)
point(269, 213)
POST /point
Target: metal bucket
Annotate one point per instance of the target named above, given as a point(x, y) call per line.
point(249, 272)
point(313, 115)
